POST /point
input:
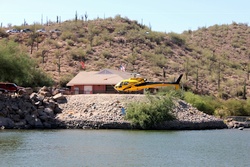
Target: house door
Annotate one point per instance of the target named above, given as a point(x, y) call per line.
point(88, 89)
point(76, 89)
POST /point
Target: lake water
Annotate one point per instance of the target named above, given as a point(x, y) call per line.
point(124, 148)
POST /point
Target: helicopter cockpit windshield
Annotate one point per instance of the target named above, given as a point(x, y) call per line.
point(125, 83)
point(120, 84)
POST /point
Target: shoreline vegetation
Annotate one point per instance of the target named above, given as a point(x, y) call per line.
point(52, 110)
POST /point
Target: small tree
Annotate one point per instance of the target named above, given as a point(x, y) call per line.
point(86, 16)
point(58, 56)
point(43, 55)
point(76, 16)
point(244, 91)
point(32, 40)
point(186, 67)
point(197, 78)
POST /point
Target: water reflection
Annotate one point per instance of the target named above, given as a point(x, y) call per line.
point(9, 142)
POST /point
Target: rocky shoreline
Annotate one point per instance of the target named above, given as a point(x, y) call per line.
point(105, 111)
point(49, 109)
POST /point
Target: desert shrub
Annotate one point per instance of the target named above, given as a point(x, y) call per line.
point(163, 50)
point(131, 59)
point(154, 110)
point(233, 107)
point(155, 36)
point(3, 34)
point(178, 94)
point(68, 35)
point(106, 54)
point(177, 39)
point(89, 49)
point(53, 43)
point(97, 40)
point(78, 54)
point(39, 78)
point(70, 42)
point(221, 112)
point(106, 36)
point(94, 30)
point(158, 60)
point(236, 107)
point(218, 107)
point(65, 79)
point(100, 64)
point(82, 33)
point(206, 104)
point(120, 29)
point(247, 108)
point(136, 36)
point(83, 40)
point(235, 44)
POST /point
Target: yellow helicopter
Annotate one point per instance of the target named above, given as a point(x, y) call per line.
point(138, 84)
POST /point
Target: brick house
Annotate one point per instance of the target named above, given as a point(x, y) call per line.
point(97, 81)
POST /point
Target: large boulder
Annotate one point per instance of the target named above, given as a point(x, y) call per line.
point(60, 98)
point(6, 122)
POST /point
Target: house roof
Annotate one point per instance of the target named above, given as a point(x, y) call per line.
point(103, 77)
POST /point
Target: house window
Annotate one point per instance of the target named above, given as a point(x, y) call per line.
point(88, 89)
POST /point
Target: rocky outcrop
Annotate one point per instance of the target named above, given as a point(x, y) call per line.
point(27, 111)
point(238, 122)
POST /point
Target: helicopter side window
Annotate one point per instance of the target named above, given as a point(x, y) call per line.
point(120, 85)
point(125, 83)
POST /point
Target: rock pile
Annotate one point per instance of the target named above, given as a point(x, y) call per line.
point(106, 111)
point(95, 111)
point(27, 111)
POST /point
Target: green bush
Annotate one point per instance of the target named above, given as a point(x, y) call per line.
point(70, 42)
point(219, 107)
point(177, 94)
point(206, 104)
point(155, 109)
point(65, 79)
point(97, 40)
point(177, 39)
point(68, 35)
point(17, 67)
point(106, 54)
point(3, 34)
point(158, 60)
point(157, 37)
point(247, 108)
point(39, 78)
point(78, 54)
point(236, 107)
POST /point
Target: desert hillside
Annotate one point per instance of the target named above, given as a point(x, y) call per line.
point(214, 60)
